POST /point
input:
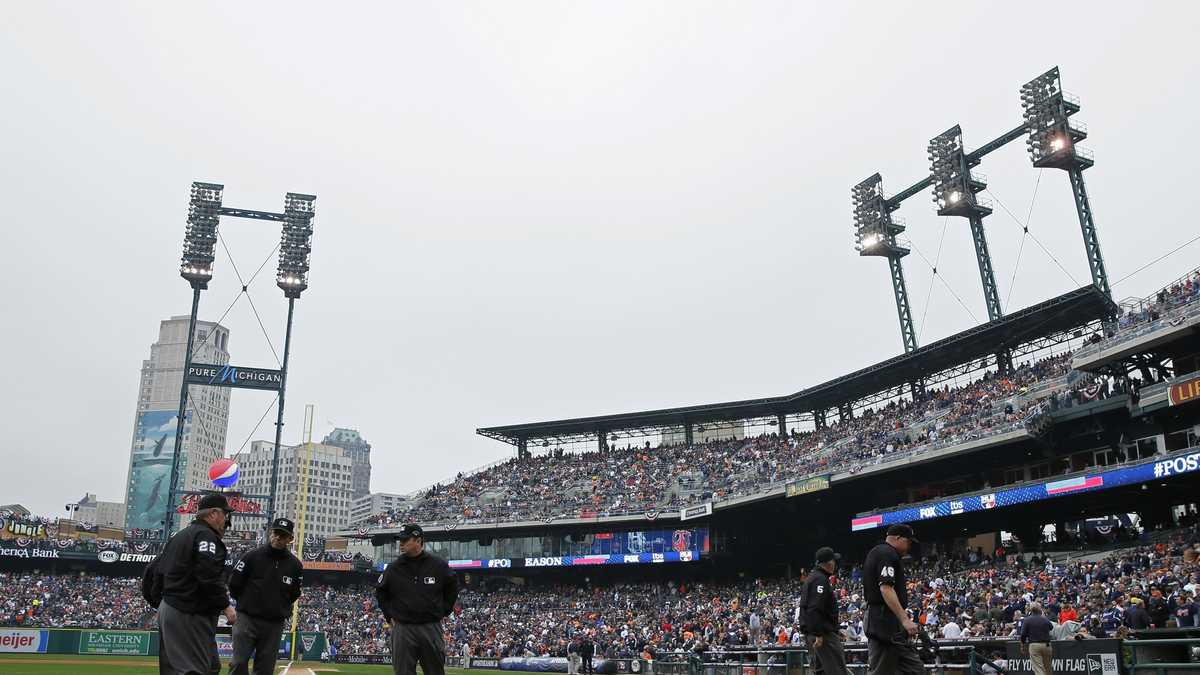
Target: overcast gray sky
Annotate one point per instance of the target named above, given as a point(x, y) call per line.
point(530, 210)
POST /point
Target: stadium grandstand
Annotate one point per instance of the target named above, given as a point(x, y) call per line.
point(1049, 455)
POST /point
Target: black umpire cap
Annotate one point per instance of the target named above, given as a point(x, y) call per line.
point(903, 530)
point(284, 525)
point(215, 500)
point(409, 531)
point(826, 554)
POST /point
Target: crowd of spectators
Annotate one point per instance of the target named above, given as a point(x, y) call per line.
point(952, 594)
point(640, 479)
point(1164, 302)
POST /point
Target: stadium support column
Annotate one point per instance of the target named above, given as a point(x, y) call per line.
point(819, 419)
point(1091, 241)
point(602, 440)
point(845, 413)
point(287, 347)
point(169, 518)
point(687, 433)
point(781, 419)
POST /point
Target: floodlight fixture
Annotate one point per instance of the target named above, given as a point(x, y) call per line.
point(874, 228)
point(200, 238)
point(296, 244)
point(955, 188)
point(875, 235)
point(1052, 135)
point(1052, 142)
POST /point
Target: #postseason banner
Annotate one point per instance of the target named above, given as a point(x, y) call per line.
point(1159, 468)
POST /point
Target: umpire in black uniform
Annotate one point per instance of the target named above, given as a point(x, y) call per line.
point(194, 593)
point(822, 628)
point(888, 627)
point(415, 592)
point(265, 583)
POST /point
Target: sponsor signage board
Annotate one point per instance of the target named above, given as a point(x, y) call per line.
point(1185, 391)
point(114, 642)
point(370, 659)
point(698, 511)
point(1159, 468)
point(1084, 657)
point(114, 556)
point(325, 565)
point(481, 662)
point(803, 487)
point(690, 555)
point(241, 377)
point(17, 641)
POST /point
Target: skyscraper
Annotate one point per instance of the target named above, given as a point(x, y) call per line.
point(359, 452)
point(149, 476)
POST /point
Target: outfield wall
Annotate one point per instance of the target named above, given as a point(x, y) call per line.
point(128, 642)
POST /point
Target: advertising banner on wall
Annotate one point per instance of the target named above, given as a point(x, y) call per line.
point(114, 642)
point(1086, 657)
point(150, 469)
point(807, 485)
point(1159, 468)
point(23, 641)
point(698, 511)
point(1184, 391)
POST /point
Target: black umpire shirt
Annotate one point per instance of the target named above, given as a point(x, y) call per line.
point(265, 583)
point(881, 567)
point(820, 607)
point(1036, 628)
point(192, 564)
point(417, 590)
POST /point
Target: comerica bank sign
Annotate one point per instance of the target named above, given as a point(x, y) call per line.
point(234, 376)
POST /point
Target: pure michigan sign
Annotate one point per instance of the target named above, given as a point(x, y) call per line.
point(234, 376)
point(114, 642)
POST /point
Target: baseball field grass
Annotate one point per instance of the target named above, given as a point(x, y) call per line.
point(68, 664)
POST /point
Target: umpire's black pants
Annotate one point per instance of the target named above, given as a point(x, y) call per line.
point(187, 643)
point(893, 658)
point(587, 664)
point(413, 642)
point(258, 639)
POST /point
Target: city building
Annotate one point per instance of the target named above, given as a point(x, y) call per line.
point(106, 514)
point(376, 502)
point(326, 507)
point(149, 475)
point(359, 452)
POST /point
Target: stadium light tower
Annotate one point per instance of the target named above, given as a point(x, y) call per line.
point(196, 266)
point(875, 235)
point(956, 193)
point(1052, 143)
point(292, 278)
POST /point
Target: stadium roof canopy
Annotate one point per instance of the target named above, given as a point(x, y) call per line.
point(1072, 310)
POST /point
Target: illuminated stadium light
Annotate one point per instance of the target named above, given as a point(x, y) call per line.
point(1051, 133)
point(296, 244)
point(955, 193)
point(875, 235)
point(954, 186)
point(1052, 139)
point(874, 228)
point(200, 238)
